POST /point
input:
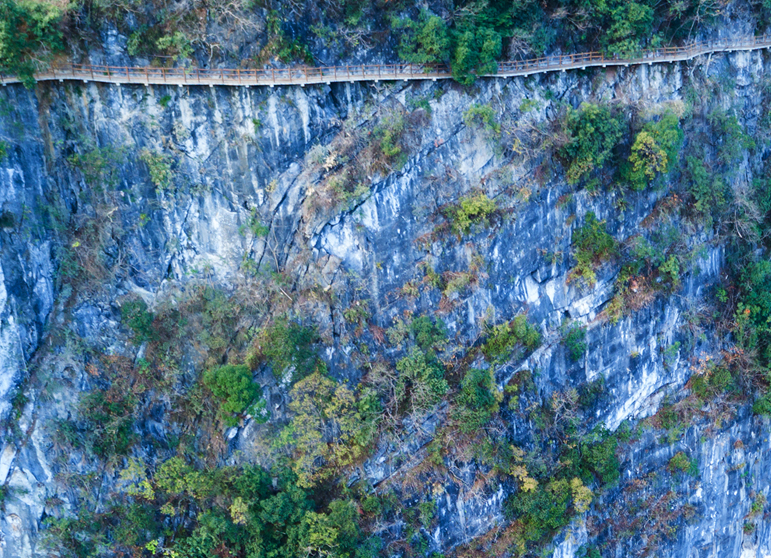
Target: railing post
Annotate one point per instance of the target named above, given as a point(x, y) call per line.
point(238, 73)
point(147, 76)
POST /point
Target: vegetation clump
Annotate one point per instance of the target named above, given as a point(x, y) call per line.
point(29, 31)
point(159, 166)
point(135, 314)
point(288, 347)
point(477, 401)
point(682, 463)
point(574, 339)
point(474, 209)
point(593, 132)
point(654, 151)
point(592, 245)
point(420, 384)
point(482, 116)
point(331, 427)
point(505, 338)
point(233, 386)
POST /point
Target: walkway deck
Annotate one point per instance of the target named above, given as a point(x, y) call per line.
point(334, 74)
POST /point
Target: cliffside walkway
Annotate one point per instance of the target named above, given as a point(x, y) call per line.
point(335, 74)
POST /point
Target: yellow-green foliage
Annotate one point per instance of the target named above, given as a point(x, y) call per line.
point(654, 150)
point(592, 245)
point(287, 346)
point(680, 462)
point(504, 338)
point(482, 116)
point(389, 135)
point(330, 428)
point(159, 166)
point(474, 209)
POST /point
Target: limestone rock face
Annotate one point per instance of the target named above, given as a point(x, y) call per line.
point(237, 155)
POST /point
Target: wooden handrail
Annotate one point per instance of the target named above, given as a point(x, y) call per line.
point(369, 72)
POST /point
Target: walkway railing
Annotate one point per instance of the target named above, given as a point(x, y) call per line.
point(333, 74)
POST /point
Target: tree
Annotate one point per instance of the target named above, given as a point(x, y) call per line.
point(654, 150)
point(288, 347)
point(423, 41)
point(594, 132)
point(233, 386)
point(421, 383)
point(477, 401)
point(326, 429)
point(28, 30)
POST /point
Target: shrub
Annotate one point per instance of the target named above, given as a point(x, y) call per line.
point(574, 339)
point(108, 417)
point(654, 150)
point(7, 219)
point(681, 462)
point(629, 23)
point(708, 190)
point(482, 116)
point(471, 210)
point(477, 401)
point(288, 347)
point(3, 150)
point(233, 386)
point(329, 427)
point(729, 135)
point(588, 394)
point(475, 51)
point(421, 383)
point(159, 166)
point(29, 30)
point(429, 335)
point(99, 166)
point(427, 513)
point(594, 132)
point(424, 40)
point(762, 405)
point(592, 245)
point(669, 270)
point(542, 510)
point(134, 313)
point(600, 458)
point(176, 45)
point(504, 338)
point(255, 225)
point(389, 133)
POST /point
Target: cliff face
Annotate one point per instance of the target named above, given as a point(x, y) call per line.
point(149, 191)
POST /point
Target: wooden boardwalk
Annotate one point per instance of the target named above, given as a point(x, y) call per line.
point(335, 74)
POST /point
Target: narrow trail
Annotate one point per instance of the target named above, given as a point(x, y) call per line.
point(338, 74)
